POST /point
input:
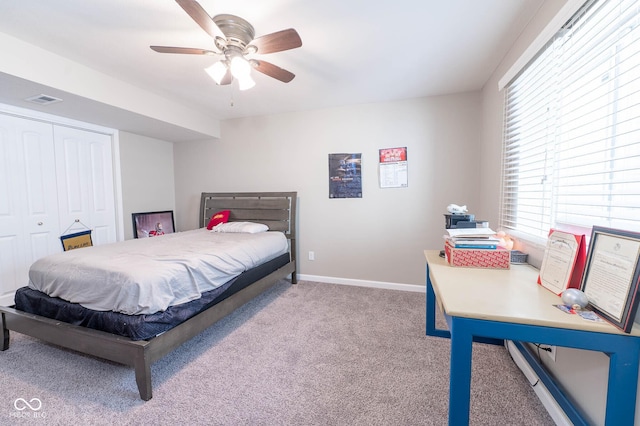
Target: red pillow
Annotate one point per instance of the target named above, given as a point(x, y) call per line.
point(220, 217)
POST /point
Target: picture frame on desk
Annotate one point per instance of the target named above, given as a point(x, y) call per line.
point(563, 262)
point(612, 275)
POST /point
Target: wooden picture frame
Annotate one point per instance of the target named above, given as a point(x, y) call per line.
point(151, 224)
point(612, 275)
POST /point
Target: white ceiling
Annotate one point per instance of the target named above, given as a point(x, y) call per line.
point(354, 51)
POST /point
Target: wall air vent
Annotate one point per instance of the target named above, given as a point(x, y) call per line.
point(43, 99)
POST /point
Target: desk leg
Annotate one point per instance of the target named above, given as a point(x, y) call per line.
point(460, 374)
point(622, 389)
point(431, 312)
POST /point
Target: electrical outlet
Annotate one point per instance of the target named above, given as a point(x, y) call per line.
point(312, 256)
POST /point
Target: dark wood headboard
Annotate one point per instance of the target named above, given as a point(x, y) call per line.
point(277, 210)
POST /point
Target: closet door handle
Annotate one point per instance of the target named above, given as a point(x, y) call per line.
point(40, 223)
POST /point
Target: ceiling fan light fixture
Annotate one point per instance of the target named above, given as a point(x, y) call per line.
point(240, 67)
point(217, 71)
point(246, 82)
point(234, 38)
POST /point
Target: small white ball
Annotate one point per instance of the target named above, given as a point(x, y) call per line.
point(573, 296)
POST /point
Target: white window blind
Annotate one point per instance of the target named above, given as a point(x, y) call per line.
point(571, 156)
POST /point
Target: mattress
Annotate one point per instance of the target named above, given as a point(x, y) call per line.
point(145, 276)
point(145, 326)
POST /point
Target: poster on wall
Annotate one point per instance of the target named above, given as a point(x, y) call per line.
point(393, 168)
point(345, 176)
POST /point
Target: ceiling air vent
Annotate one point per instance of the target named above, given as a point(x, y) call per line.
point(43, 99)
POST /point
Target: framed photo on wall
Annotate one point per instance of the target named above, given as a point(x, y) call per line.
point(153, 224)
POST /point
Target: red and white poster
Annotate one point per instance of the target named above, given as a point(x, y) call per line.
point(394, 168)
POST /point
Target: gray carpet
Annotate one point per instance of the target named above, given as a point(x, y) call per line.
point(309, 354)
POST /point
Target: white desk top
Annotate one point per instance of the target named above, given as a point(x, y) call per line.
point(507, 295)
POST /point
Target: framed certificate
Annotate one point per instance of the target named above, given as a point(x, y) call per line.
point(563, 261)
point(612, 275)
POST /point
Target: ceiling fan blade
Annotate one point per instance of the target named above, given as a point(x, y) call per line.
point(201, 17)
point(278, 41)
point(274, 71)
point(185, 50)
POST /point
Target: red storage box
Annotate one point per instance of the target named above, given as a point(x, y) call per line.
point(484, 258)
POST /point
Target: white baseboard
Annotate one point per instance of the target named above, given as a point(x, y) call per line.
point(554, 410)
point(363, 283)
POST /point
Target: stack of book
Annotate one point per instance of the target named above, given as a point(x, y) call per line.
point(475, 248)
point(472, 238)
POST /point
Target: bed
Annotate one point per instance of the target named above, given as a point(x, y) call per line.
point(276, 210)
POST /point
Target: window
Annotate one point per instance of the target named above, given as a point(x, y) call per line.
point(571, 156)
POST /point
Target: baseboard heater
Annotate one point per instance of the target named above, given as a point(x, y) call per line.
point(560, 408)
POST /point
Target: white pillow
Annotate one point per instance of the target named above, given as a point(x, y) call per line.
point(246, 227)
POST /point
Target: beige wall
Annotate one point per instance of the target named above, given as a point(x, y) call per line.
point(146, 167)
point(378, 238)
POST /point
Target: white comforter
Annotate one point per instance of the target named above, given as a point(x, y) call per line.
point(144, 276)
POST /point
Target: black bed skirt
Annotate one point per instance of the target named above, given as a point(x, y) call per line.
point(138, 327)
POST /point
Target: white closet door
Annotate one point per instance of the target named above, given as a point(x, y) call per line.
point(85, 182)
point(29, 227)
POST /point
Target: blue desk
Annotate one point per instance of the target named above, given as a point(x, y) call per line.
point(509, 304)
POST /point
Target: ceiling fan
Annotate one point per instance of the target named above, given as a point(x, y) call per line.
point(233, 38)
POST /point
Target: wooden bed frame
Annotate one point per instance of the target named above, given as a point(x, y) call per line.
point(276, 209)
